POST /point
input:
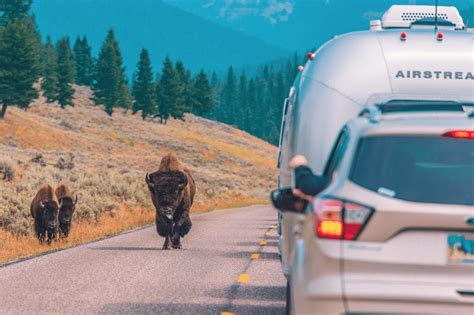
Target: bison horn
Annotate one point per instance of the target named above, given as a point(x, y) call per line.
point(75, 202)
point(42, 205)
point(61, 202)
point(148, 180)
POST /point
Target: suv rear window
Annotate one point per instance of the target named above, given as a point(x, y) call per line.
point(416, 168)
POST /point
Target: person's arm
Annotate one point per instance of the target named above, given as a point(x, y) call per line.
point(308, 183)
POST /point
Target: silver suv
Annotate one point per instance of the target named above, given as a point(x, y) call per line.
point(394, 230)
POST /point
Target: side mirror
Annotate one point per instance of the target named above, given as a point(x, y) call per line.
point(284, 200)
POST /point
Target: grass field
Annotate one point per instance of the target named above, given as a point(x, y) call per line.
point(104, 160)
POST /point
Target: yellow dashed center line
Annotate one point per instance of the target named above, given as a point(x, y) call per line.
point(244, 278)
point(255, 256)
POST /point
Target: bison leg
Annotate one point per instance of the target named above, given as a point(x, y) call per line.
point(40, 232)
point(51, 235)
point(163, 227)
point(166, 245)
point(185, 228)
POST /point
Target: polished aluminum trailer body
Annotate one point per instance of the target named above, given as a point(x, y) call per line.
point(365, 68)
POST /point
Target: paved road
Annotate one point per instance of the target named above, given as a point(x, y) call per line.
point(131, 274)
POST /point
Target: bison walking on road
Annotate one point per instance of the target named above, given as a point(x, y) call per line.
point(172, 190)
point(44, 209)
point(68, 205)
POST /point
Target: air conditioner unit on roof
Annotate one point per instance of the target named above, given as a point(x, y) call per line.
point(403, 16)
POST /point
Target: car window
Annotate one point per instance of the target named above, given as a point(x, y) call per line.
point(337, 153)
point(417, 168)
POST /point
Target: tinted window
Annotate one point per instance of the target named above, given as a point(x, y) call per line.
point(337, 153)
point(423, 169)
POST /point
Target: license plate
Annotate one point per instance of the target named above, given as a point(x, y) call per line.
point(460, 249)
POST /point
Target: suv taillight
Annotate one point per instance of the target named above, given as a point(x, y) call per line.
point(339, 219)
point(460, 134)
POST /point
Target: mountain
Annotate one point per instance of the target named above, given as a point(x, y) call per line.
point(297, 24)
point(161, 28)
point(105, 160)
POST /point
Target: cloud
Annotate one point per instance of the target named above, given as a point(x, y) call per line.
point(373, 15)
point(272, 10)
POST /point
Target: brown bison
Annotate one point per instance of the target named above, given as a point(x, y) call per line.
point(172, 190)
point(44, 209)
point(68, 205)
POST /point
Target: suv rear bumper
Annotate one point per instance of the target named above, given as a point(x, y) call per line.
point(398, 297)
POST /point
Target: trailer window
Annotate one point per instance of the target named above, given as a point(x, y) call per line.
point(415, 168)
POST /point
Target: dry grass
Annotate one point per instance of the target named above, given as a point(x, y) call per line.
point(105, 160)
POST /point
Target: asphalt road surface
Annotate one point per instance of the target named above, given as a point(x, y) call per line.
point(223, 267)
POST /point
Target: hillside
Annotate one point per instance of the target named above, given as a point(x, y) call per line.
point(161, 28)
point(105, 161)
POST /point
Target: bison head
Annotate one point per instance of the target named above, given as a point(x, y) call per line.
point(49, 214)
point(66, 210)
point(166, 188)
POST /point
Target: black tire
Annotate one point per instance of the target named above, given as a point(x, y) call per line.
point(288, 298)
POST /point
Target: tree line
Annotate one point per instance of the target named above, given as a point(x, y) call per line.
point(254, 103)
point(26, 60)
point(250, 102)
point(173, 93)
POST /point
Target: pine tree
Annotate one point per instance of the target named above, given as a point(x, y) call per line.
point(252, 103)
point(66, 73)
point(124, 100)
point(111, 86)
point(84, 62)
point(229, 97)
point(107, 87)
point(187, 86)
point(143, 87)
point(170, 100)
point(243, 108)
point(50, 75)
point(14, 10)
point(216, 92)
point(203, 97)
point(19, 51)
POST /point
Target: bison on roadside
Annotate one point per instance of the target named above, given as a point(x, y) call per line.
point(68, 205)
point(172, 190)
point(44, 210)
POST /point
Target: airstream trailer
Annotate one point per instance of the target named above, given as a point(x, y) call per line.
point(407, 55)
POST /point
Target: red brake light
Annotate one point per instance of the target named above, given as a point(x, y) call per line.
point(337, 219)
point(460, 134)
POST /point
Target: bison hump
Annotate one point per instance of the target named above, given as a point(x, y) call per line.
point(170, 162)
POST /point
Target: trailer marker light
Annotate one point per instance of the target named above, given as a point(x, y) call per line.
point(310, 56)
point(460, 134)
point(403, 36)
point(440, 36)
point(300, 68)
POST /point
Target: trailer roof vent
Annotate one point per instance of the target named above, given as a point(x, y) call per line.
point(404, 16)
